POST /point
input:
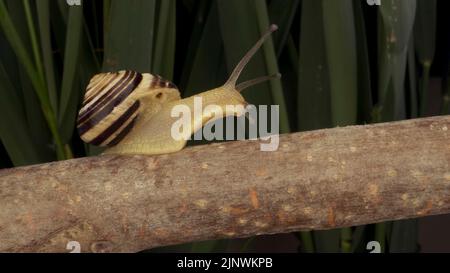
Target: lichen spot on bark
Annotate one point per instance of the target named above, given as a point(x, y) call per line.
point(373, 190)
point(242, 221)
point(229, 233)
point(307, 210)
point(291, 190)
point(392, 172)
point(201, 203)
point(288, 208)
point(261, 224)
point(416, 174)
point(447, 176)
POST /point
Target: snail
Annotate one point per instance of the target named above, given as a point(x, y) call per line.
point(130, 113)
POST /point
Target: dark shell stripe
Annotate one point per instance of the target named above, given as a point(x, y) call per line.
point(122, 133)
point(115, 125)
point(101, 96)
point(123, 92)
point(87, 111)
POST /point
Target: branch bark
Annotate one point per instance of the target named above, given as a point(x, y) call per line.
point(316, 180)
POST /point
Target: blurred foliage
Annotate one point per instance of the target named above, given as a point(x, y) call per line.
point(343, 62)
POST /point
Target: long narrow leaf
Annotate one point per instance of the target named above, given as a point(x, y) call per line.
point(195, 46)
point(412, 81)
point(313, 79)
point(33, 110)
point(425, 44)
point(69, 90)
point(129, 39)
point(340, 40)
point(207, 57)
point(364, 79)
point(425, 30)
point(282, 13)
point(38, 82)
point(43, 12)
point(14, 131)
point(396, 24)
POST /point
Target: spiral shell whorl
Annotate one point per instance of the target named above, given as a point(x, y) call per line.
point(109, 109)
point(112, 104)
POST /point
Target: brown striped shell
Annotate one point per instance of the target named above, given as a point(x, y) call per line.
point(112, 104)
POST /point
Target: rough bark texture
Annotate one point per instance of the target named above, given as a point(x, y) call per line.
point(316, 180)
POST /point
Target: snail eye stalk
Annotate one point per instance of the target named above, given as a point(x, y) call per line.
point(231, 82)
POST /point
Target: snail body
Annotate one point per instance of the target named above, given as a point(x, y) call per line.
point(131, 113)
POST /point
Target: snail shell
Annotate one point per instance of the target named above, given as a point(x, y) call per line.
point(113, 102)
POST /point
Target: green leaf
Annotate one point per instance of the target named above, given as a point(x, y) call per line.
point(425, 43)
point(396, 24)
point(288, 62)
point(164, 50)
point(327, 241)
point(340, 44)
point(129, 39)
point(210, 246)
point(14, 132)
point(198, 43)
point(412, 81)
point(14, 38)
point(207, 56)
point(43, 12)
point(358, 239)
point(282, 13)
point(33, 40)
point(313, 79)
point(425, 30)
point(398, 19)
point(37, 80)
point(38, 128)
point(365, 102)
point(272, 66)
point(69, 89)
point(404, 236)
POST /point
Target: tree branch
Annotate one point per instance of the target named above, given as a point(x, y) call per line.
point(316, 180)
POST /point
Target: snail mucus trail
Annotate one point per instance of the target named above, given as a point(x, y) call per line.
point(130, 113)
